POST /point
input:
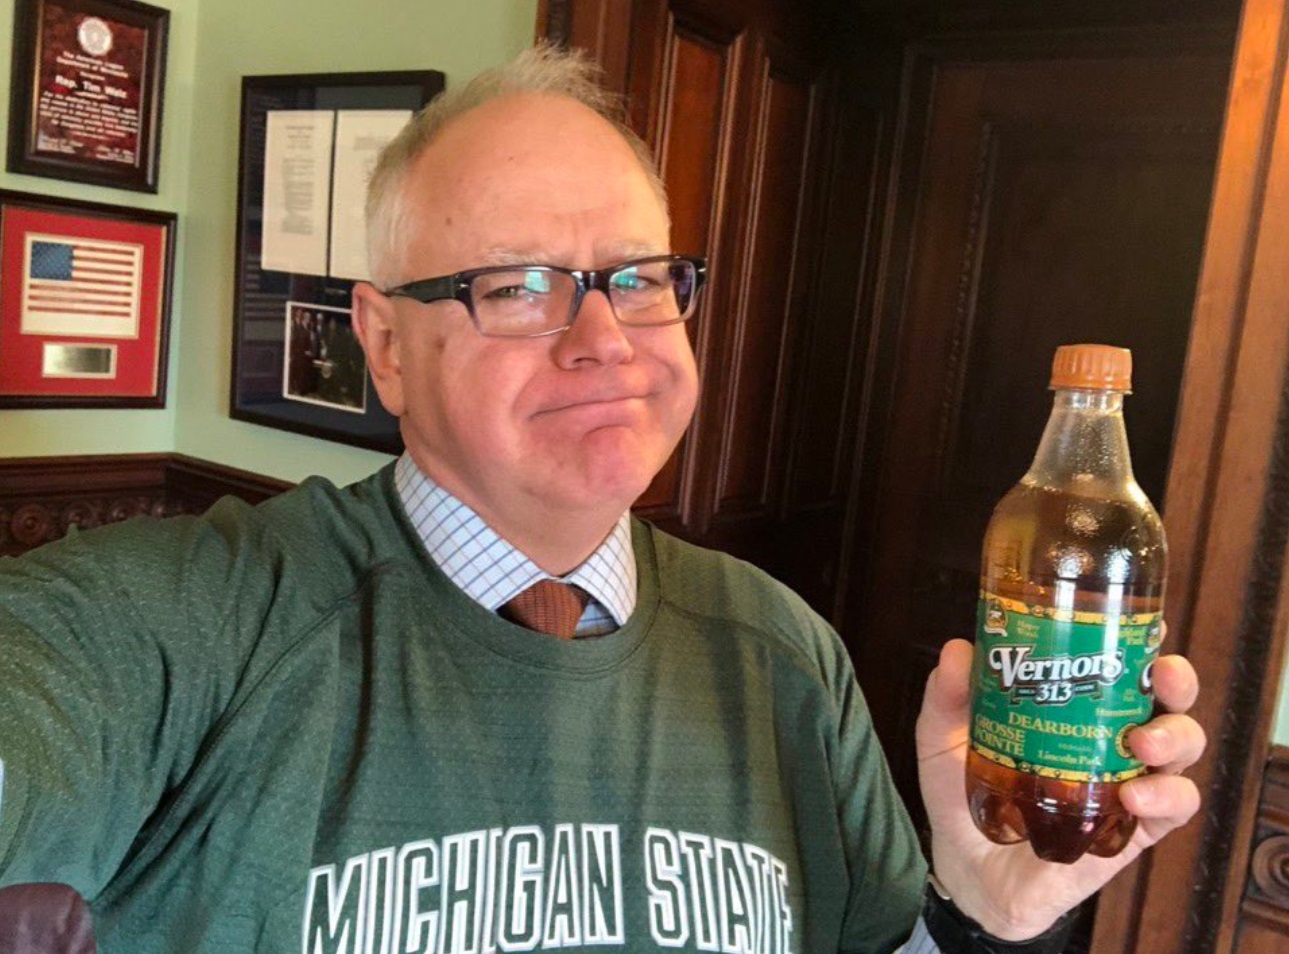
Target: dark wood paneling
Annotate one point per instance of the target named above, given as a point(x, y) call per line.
point(773, 171)
point(943, 15)
point(728, 92)
point(1058, 199)
point(41, 498)
point(831, 352)
point(690, 133)
point(751, 439)
point(1097, 230)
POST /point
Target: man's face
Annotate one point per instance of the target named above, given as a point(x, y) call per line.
point(532, 428)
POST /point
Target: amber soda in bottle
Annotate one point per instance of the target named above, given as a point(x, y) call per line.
point(1069, 625)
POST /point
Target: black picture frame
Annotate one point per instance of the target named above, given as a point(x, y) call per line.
point(279, 306)
point(86, 91)
point(85, 303)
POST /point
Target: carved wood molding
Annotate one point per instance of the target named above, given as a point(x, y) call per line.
point(1266, 893)
point(42, 498)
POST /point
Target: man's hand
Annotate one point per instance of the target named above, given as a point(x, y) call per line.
point(1006, 888)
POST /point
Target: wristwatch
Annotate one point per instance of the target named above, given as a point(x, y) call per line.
point(955, 933)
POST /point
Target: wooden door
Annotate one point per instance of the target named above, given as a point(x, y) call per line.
point(1057, 192)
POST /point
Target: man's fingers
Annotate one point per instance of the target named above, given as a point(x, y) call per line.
point(1176, 685)
point(1161, 803)
point(1168, 743)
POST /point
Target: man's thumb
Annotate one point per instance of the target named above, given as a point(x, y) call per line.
point(942, 723)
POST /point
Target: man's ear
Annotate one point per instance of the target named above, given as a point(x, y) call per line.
point(376, 324)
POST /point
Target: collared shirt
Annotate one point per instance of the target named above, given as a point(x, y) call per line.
point(491, 570)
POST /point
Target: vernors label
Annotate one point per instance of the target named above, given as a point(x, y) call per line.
point(1056, 692)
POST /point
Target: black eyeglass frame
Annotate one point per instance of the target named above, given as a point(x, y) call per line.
point(456, 287)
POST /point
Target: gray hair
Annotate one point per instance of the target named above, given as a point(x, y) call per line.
point(541, 69)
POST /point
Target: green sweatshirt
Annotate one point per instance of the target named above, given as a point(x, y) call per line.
point(283, 729)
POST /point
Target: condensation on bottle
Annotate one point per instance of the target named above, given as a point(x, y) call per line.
point(1069, 624)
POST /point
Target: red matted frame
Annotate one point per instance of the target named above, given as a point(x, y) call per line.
point(84, 303)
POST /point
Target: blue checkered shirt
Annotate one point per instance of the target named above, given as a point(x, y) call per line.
point(492, 571)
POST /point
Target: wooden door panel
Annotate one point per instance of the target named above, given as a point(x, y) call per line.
point(832, 351)
point(1072, 203)
point(689, 132)
point(751, 439)
point(1058, 200)
point(690, 147)
point(1069, 207)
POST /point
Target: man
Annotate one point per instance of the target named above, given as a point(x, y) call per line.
point(327, 725)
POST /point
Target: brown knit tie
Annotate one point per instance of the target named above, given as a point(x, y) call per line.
point(548, 606)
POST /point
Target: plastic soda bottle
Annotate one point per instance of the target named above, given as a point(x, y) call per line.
point(1068, 626)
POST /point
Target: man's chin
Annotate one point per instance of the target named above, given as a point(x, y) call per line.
point(611, 481)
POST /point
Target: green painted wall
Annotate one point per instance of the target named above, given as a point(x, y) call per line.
point(35, 433)
point(213, 43)
point(250, 37)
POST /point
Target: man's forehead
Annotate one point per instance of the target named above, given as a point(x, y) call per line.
point(476, 199)
point(607, 252)
point(534, 141)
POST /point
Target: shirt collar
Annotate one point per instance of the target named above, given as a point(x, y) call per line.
point(489, 568)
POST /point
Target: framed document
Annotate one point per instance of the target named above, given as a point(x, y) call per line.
point(308, 145)
point(86, 90)
point(84, 303)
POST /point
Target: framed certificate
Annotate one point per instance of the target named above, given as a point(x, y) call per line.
point(308, 145)
point(84, 303)
point(86, 90)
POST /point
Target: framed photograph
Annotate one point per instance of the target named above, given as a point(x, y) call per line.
point(325, 364)
point(308, 145)
point(84, 303)
point(86, 90)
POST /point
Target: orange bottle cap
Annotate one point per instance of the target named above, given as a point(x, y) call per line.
point(1092, 367)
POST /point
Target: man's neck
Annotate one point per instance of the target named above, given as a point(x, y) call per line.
point(557, 540)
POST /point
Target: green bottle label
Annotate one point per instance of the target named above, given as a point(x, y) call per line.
point(1055, 692)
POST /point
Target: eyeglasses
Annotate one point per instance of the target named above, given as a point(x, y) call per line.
point(526, 301)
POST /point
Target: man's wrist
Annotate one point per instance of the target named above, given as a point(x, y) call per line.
point(956, 933)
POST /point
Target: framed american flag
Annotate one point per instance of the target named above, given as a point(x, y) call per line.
point(84, 303)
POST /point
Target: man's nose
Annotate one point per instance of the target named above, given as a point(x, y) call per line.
point(595, 335)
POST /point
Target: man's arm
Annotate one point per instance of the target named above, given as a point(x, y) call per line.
point(118, 648)
point(75, 675)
